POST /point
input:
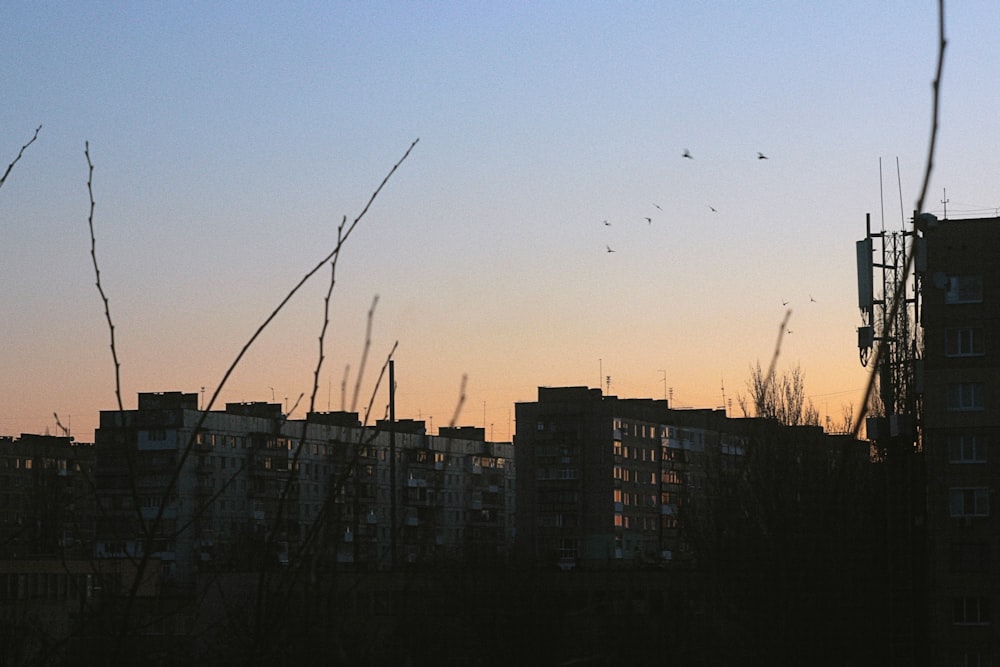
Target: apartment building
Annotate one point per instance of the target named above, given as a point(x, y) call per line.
point(960, 318)
point(232, 489)
point(603, 480)
point(46, 497)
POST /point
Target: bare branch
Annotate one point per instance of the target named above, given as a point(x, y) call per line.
point(3, 179)
point(343, 387)
point(326, 317)
point(189, 446)
point(777, 346)
point(60, 425)
point(461, 400)
point(364, 353)
point(97, 275)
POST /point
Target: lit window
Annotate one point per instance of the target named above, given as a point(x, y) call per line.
point(964, 396)
point(973, 501)
point(964, 342)
point(966, 449)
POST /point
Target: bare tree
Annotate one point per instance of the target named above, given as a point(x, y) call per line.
point(781, 397)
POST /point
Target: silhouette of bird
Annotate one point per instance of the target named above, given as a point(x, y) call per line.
point(687, 154)
point(607, 224)
point(788, 331)
point(811, 298)
point(658, 207)
point(609, 248)
point(761, 156)
point(784, 303)
point(649, 220)
point(712, 208)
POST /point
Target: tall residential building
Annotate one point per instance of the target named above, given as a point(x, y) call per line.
point(228, 490)
point(960, 315)
point(602, 479)
point(47, 506)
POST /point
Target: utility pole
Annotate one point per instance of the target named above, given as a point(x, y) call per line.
point(392, 461)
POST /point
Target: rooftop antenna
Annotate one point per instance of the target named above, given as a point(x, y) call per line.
point(899, 181)
point(607, 380)
point(881, 196)
point(944, 201)
point(664, 384)
point(723, 392)
point(203, 398)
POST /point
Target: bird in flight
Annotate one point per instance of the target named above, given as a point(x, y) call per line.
point(687, 154)
point(658, 207)
point(784, 303)
point(761, 156)
point(649, 220)
point(609, 248)
point(811, 298)
point(607, 224)
point(712, 208)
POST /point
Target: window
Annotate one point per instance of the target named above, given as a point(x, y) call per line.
point(974, 501)
point(567, 548)
point(965, 396)
point(970, 660)
point(971, 610)
point(969, 557)
point(964, 342)
point(966, 449)
point(964, 289)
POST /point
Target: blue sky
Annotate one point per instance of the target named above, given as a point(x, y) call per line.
point(229, 139)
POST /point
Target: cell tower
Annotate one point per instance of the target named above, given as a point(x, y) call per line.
point(893, 426)
point(888, 319)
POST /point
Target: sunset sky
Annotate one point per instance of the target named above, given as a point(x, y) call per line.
point(229, 140)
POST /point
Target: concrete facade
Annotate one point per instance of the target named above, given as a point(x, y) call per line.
point(960, 317)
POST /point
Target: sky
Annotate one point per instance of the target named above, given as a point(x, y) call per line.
point(229, 141)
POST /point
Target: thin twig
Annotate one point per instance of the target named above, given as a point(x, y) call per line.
point(343, 387)
point(461, 401)
point(3, 179)
point(97, 275)
point(326, 318)
point(364, 353)
point(777, 348)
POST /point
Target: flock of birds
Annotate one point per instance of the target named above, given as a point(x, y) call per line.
point(649, 220)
